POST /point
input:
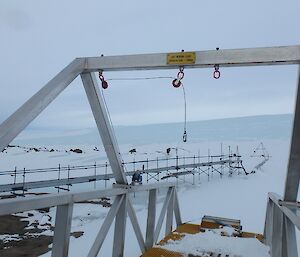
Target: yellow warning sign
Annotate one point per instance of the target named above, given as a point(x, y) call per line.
point(181, 58)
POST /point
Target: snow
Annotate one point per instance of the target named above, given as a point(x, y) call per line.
point(212, 241)
point(237, 197)
point(10, 237)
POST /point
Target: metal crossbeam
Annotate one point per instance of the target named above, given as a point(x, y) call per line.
point(204, 59)
point(9, 206)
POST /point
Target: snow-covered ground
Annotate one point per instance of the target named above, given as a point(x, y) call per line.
point(238, 197)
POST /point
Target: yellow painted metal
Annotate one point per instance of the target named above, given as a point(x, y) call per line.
point(189, 229)
point(181, 58)
point(159, 252)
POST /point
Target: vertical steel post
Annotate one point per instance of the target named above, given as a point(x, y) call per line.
point(162, 215)
point(169, 218)
point(58, 177)
point(276, 249)
point(199, 166)
point(147, 171)
point(68, 177)
point(151, 219)
point(24, 173)
point(15, 177)
point(268, 230)
point(62, 230)
point(120, 228)
point(105, 181)
point(177, 209)
point(293, 173)
point(95, 174)
point(289, 244)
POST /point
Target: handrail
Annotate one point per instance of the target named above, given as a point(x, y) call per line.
point(280, 224)
point(121, 206)
point(102, 165)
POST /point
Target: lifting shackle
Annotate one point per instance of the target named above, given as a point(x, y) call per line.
point(180, 75)
point(217, 73)
point(104, 83)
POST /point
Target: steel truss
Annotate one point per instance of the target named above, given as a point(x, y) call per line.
point(121, 207)
point(284, 233)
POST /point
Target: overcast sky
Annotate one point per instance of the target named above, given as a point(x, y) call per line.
point(39, 38)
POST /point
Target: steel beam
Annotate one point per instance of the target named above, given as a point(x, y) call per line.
point(277, 224)
point(61, 239)
point(105, 226)
point(204, 59)
point(293, 173)
point(162, 215)
point(169, 216)
point(120, 229)
point(151, 219)
point(104, 127)
point(289, 244)
point(268, 229)
point(177, 209)
point(138, 188)
point(135, 225)
point(8, 206)
point(19, 120)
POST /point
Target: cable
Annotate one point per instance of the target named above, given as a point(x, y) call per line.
point(142, 78)
point(110, 121)
point(184, 137)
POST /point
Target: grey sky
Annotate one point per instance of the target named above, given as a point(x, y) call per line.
point(39, 38)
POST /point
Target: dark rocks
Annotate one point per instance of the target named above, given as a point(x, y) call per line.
point(77, 150)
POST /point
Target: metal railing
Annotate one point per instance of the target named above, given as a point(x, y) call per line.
point(121, 207)
point(282, 218)
point(23, 179)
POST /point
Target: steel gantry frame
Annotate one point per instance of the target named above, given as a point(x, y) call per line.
point(121, 207)
point(280, 226)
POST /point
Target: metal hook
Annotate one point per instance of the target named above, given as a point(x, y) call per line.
point(180, 75)
point(216, 73)
point(184, 137)
point(104, 83)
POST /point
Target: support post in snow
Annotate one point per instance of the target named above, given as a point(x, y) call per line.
point(169, 216)
point(62, 230)
point(151, 219)
point(120, 228)
point(24, 174)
